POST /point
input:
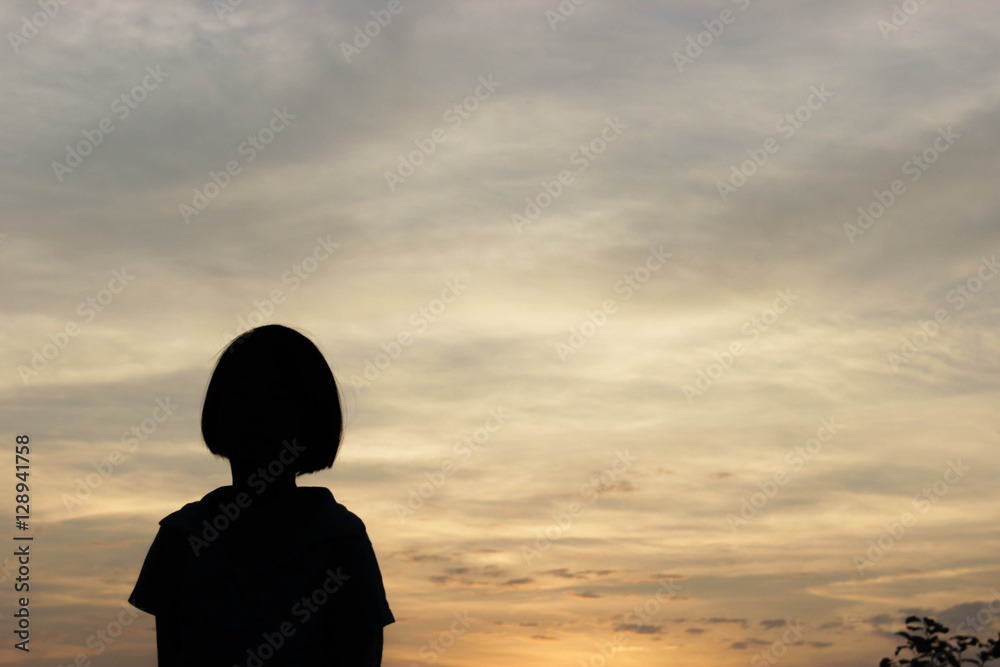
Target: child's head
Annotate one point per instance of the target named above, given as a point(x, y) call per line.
point(273, 385)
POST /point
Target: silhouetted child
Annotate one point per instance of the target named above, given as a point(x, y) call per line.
point(264, 572)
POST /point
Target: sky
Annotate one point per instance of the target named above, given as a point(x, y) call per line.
point(666, 331)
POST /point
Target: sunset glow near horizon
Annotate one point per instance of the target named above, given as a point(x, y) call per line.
point(666, 332)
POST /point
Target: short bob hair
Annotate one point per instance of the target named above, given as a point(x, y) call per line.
point(273, 385)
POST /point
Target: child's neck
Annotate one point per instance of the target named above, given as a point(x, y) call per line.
point(257, 481)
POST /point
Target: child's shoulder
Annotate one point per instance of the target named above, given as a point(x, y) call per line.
point(320, 516)
point(331, 519)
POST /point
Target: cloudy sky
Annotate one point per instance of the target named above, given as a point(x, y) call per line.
point(724, 270)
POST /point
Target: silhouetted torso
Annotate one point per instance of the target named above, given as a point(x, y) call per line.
point(291, 580)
